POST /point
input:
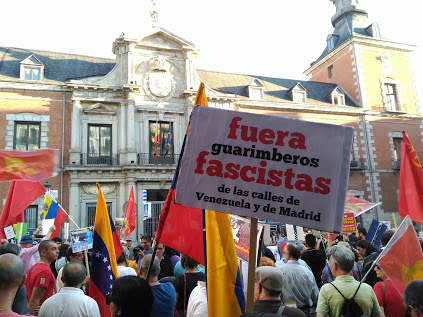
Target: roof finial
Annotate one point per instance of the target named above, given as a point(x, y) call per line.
point(154, 15)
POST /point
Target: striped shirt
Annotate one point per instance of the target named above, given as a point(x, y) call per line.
point(330, 301)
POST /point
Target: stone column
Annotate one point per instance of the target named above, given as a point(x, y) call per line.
point(122, 135)
point(130, 137)
point(122, 198)
point(75, 151)
point(74, 204)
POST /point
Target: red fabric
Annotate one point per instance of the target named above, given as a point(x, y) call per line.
point(100, 299)
point(393, 302)
point(403, 260)
point(181, 228)
point(411, 183)
point(40, 275)
point(20, 195)
point(130, 214)
point(30, 166)
point(61, 216)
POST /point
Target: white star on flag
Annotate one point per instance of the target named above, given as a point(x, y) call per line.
point(109, 268)
point(98, 254)
point(111, 277)
point(105, 260)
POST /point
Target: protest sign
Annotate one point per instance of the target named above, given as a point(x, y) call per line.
point(266, 167)
point(295, 233)
point(349, 224)
point(9, 232)
point(374, 234)
point(241, 233)
point(82, 239)
point(21, 228)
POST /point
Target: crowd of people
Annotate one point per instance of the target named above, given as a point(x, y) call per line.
point(302, 278)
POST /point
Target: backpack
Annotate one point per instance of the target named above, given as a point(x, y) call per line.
point(350, 307)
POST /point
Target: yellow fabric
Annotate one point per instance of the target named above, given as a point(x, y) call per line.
point(222, 266)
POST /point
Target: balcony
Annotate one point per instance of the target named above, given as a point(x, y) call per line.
point(397, 165)
point(148, 159)
point(357, 164)
point(96, 159)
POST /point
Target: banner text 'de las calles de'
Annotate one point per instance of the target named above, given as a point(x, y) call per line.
point(266, 167)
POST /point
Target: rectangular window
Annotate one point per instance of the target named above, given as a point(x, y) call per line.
point(299, 96)
point(32, 73)
point(330, 71)
point(99, 143)
point(255, 93)
point(91, 208)
point(391, 97)
point(339, 100)
point(31, 216)
point(163, 144)
point(397, 148)
point(27, 136)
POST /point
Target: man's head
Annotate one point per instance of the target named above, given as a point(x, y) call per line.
point(268, 284)
point(291, 252)
point(48, 251)
point(26, 241)
point(73, 274)
point(58, 241)
point(10, 248)
point(413, 298)
point(128, 242)
point(12, 274)
point(146, 242)
point(121, 259)
point(310, 240)
point(70, 255)
point(341, 260)
point(386, 236)
point(362, 233)
point(155, 268)
point(276, 234)
point(160, 250)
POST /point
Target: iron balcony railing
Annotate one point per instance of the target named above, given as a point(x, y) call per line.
point(97, 159)
point(148, 159)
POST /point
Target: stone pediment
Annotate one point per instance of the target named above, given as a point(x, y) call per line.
point(165, 39)
point(100, 108)
point(31, 60)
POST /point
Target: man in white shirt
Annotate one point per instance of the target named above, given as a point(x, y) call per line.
point(123, 270)
point(197, 303)
point(71, 300)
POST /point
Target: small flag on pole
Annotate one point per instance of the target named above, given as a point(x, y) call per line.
point(168, 139)
point(130, 214)
point(156, 139)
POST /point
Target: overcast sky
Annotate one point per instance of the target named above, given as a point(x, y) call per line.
point(278, 38)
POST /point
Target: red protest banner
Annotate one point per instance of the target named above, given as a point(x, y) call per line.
point(349, 224)
point(30, 166)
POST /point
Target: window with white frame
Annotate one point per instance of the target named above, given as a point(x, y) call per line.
point(255, 90)
point(27, 136)
point(397, 148)
point(395, 140)
point(299, 96)
point(390, 94)
point(31, 69)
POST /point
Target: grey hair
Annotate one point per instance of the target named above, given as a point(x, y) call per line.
point(343, 257)
point(413, 295)
point(145, 263)
point(73, 273)
point(10, 248)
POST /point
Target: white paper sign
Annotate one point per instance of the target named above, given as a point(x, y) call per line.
point(46, 224)
point(9, 232)
point(266, 167)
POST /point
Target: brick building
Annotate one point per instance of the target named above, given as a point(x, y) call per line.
point(102, 114)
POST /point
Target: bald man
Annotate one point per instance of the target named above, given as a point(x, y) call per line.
point(12, 276)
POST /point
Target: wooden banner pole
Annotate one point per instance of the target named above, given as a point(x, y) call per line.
point(252, 264)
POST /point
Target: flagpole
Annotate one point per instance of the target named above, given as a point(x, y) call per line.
point(380, 254)
point(252, 264)
point(52, 198)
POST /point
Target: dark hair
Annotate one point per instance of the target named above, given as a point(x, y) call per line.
point(73, 273)
point(362, 230)
point(62, 250)
point(364, 244)
point(310, 240)
point(57, 239)
point(10, 248)
point(146, 237)
point(121, 258)
point(130, 293)
point(352, 238)
point(413, 295)
point(187, 262)
point(293, 251)
point(386, 236)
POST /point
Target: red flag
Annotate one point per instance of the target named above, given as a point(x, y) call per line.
point(30, 166)
point(181, 227)
point(156, 139)
point(402, 259)
point(61, 216)
point(20, 195)
point(130, 214)
point(411, 183)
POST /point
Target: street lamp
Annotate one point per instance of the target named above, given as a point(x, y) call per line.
point(47, 187)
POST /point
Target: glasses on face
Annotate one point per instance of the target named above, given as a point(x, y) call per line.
point(160, 249)
point(108, 299)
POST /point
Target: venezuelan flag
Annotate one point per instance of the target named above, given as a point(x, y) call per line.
point(50, 208)
point(106, 249)
point(225, 294)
